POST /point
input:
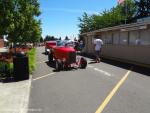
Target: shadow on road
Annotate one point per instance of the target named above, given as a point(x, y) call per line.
point(92, 62)
point(135, 68)
point(128, 66)
point(52, 65)
point(44, 53)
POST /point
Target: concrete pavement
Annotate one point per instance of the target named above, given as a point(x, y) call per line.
point(14, 96)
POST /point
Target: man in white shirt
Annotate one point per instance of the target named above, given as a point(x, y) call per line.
point(97, 47)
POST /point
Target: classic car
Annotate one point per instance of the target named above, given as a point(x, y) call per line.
point(65, 57)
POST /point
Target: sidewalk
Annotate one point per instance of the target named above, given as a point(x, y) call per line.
point(14, 96)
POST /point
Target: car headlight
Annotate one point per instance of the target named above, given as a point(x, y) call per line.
point(47, 50)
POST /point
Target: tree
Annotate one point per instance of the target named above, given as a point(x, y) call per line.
point(59, 38)
point(41, 39)
point(6, 16)
point(50, 38)
point(128, 10)
point(143, 8)
point(85, 23)
point(66, 38)
point(108, 18)
point(17, 19)
point(75, 39)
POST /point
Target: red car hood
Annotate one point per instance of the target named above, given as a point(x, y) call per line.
point(65, 49)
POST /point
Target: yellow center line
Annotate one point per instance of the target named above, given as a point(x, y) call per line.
point(43, 76)
point(112, 93)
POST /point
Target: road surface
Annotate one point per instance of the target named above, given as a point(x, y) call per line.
point(100, 88)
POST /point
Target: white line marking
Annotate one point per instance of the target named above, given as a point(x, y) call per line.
point(42, 62)
point(103, 72)
point(90, 66)
point(50, 74)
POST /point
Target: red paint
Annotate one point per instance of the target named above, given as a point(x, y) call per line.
point(65, 49)
point(51, 44)
point(62, 52)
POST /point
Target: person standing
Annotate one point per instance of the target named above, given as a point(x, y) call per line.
point(97, 47)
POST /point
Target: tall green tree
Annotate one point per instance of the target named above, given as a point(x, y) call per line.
point(18, 20)
point(108, 18)
point(59, 38)
point(85, 23)
point(50, 38)
point(6, 16)
point(41, 39)
point(128, 10)
point(66, 38)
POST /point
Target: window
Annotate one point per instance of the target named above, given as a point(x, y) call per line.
point(123, 38)
point(134, 38)
point(145, 37)
point(103, 37)
point(108, 38)
point(116, 38)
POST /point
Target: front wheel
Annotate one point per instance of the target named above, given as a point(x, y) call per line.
point(50, 57)
point(58, 65)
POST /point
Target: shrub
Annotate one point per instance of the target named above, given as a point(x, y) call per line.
point(6, 69)
point(32, 59)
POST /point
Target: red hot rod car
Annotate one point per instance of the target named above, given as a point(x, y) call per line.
point(65, 57)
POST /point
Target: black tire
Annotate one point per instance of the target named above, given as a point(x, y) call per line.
point(58, 65)
point(50, 57)
point(83, 63)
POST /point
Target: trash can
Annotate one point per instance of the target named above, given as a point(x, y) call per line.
point(21, 66)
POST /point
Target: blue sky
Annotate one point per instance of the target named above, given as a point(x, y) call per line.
point(60, 17)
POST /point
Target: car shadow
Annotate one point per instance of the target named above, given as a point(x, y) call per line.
point(52, 65)
point(44, 53)
point(92, 61)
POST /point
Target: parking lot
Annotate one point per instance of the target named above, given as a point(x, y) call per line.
point(105, 87)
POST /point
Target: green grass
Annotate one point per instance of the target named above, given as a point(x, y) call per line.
point(32, 59)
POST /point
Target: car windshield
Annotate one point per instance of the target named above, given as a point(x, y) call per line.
point(64, 42)
point(61, 43)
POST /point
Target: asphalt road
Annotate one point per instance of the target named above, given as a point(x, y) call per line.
point(100, 88)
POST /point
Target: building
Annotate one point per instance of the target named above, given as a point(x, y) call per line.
point(127, 43)
point(1, 43)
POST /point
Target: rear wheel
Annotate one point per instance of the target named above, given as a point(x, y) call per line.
point(83, 63)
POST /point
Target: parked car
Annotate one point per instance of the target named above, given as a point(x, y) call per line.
point(65, 57)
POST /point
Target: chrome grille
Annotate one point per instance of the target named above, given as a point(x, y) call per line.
point(72, 57)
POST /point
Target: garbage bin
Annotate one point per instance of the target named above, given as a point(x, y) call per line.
point(21, 66)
